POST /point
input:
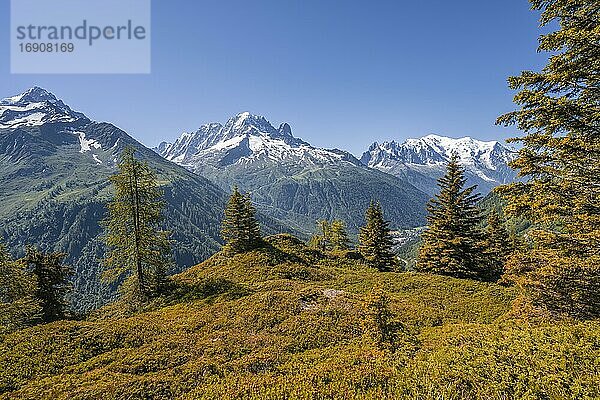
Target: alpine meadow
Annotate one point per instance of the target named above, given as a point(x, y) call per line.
point(239, 261)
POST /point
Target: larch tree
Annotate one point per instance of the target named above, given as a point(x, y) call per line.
point(559, 159)
point(52, 282)
point(339, 235)
point(375, 240)
point(321, 239)
point(497, 246)
point(18, 305)
point(452, 241)
point(330, 236)
point(137, 246)
point(240, 229)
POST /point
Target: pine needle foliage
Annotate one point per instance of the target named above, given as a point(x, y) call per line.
point(497, 247)
point(559, 115)
point(18, 305)
point(52, 282)
point(137, 246)
point(320, 240)
point(339, 236)
point(331, 236)
point(375, 240)
point(240, 229)
point(452, 241)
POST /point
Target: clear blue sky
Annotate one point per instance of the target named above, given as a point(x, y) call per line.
point(342, 73)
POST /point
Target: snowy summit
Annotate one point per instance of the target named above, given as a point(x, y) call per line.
point(246, 138)
point(35, 107)
point(486, 163)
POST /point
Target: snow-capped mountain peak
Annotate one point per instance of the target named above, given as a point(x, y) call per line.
point(246, 138)
point(246, 123)
point(254, 125)
point(38, 116)
point(434, 150)
point(485, 162)
point(33, 95)
point(35, 107)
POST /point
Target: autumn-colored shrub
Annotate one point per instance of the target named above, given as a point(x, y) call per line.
point(285, 321)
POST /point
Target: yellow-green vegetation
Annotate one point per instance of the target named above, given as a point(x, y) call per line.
point(136, 245)
point(289, 322)
point(558, 264)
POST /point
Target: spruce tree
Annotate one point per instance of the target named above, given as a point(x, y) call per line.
point(240, 229)
point(52, 282)
point(375, 240)
point(137, 246)
point(559, 159)
point(452, 241)
point(18, 305)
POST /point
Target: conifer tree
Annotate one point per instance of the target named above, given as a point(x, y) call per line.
point(559, 113)
point(451, 242)
point(52, 282)
point(339, 235)
point(497, 246)
point(18, 305)
point(240, 229)
point(316, 242)
point(375, 240)
point(137, 246)
point(331, 236)
point(321, 239)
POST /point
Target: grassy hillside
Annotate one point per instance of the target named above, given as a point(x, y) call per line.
point(287, 322)
point(53, 195)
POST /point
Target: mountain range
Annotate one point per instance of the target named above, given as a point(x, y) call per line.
point(54, 169)
point(55, 163)
point(299, 183)
point(290, 179)
point(422, 161)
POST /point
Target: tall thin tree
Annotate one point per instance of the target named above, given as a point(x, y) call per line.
point(497, 246)
point(339, 235)
point(330, 236)
point(320, 240)
point(137, 245)
point(18, 305)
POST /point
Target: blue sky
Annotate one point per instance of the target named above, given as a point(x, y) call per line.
point(342, 73)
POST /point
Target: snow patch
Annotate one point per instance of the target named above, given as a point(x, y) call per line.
point(14, 99)
point(227, 144)
point(87, 144)
point(33, 119)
